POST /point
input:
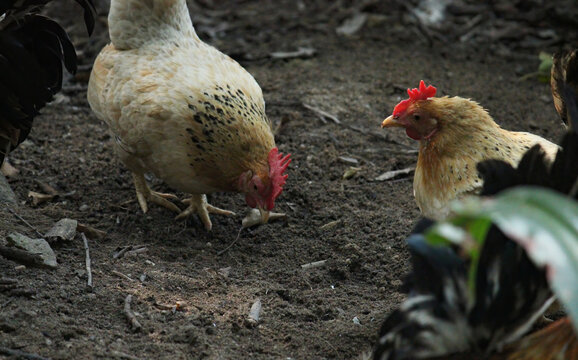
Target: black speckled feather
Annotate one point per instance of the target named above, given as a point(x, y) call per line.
point(441, 317)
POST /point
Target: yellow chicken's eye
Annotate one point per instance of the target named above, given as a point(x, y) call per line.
point(416, 117)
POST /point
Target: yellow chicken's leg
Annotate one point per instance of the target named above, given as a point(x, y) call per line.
point(198, 204)
point(144, 194)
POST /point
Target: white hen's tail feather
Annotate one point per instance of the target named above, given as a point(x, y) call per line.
point(134, 23)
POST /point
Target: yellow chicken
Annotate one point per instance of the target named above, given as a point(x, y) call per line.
point(454, 134)
point(184, 111)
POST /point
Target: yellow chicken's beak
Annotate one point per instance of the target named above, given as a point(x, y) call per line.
point(390, 122)
point(264, 215)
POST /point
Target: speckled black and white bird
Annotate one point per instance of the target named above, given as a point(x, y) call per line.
point(441, 317)
point(33, 48)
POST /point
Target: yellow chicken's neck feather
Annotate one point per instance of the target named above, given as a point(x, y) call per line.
point(446, 167)
point(132, 23)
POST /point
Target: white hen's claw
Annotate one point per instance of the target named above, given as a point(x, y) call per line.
point(198, 204)
point(145, 194)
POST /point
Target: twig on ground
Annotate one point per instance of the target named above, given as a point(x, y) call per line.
point(21, 354)
point(119, 274)
point(330, 225)
point(87, 260)
point(301, 52)
point(231, 244)
point(134, 324)
point(313, 265)
point(136, 251)
point(91, 232)
point(388, 175)
point(129, 249)
point(120, 253)
point(178, 306)
point(322, 114)
point(26, 222)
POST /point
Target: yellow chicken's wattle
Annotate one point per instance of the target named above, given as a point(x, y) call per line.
point(183, 110)
point(455, 134)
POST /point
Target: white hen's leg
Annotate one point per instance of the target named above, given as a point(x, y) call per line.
point(145, 194)
point(198, 204)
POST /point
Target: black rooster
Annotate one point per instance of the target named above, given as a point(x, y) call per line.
point(441, 317)
point(32, 51)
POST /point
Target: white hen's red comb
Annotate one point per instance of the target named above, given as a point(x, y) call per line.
point(423, 93)
point(277, 166)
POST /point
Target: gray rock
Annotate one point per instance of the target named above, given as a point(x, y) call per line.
point(34, 246)
point(7, 196)
point(63, 230)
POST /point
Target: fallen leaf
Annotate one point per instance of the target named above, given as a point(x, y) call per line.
point(39, 198)
point(351, 172)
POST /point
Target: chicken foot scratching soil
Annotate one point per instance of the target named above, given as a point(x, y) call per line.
point(144, 194)
point(198, 204)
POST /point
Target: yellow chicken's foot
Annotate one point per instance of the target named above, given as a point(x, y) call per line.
point(144, 194)
point(198, 204)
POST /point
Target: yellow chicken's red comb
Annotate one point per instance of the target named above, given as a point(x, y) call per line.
point(423, 93)
point(277, 166)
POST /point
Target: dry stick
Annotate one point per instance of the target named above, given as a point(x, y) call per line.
point(88, 269)
point(322, 114)
point(231, 244)
point(136, 251)
point(132, 249)
point(313, 265)
point(120, 254)
point(119, 274)
point(26, 222)
point(21, 354)
point(135, 325)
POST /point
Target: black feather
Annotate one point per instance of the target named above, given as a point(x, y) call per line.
point(441, 317)
point(33, 49)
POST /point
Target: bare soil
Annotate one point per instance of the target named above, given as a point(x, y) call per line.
point(357, 225)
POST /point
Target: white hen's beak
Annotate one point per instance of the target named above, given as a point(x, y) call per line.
point(390, 122)
point(264, 215)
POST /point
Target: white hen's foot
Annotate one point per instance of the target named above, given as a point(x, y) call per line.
point(145, 194)
point(198, 204)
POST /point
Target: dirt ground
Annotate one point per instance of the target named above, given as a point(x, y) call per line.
point(357, 225)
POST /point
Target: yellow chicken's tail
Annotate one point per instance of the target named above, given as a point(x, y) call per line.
point(134, 23)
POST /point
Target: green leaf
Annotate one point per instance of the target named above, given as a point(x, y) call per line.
point(469, 233)
point(545, 224)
